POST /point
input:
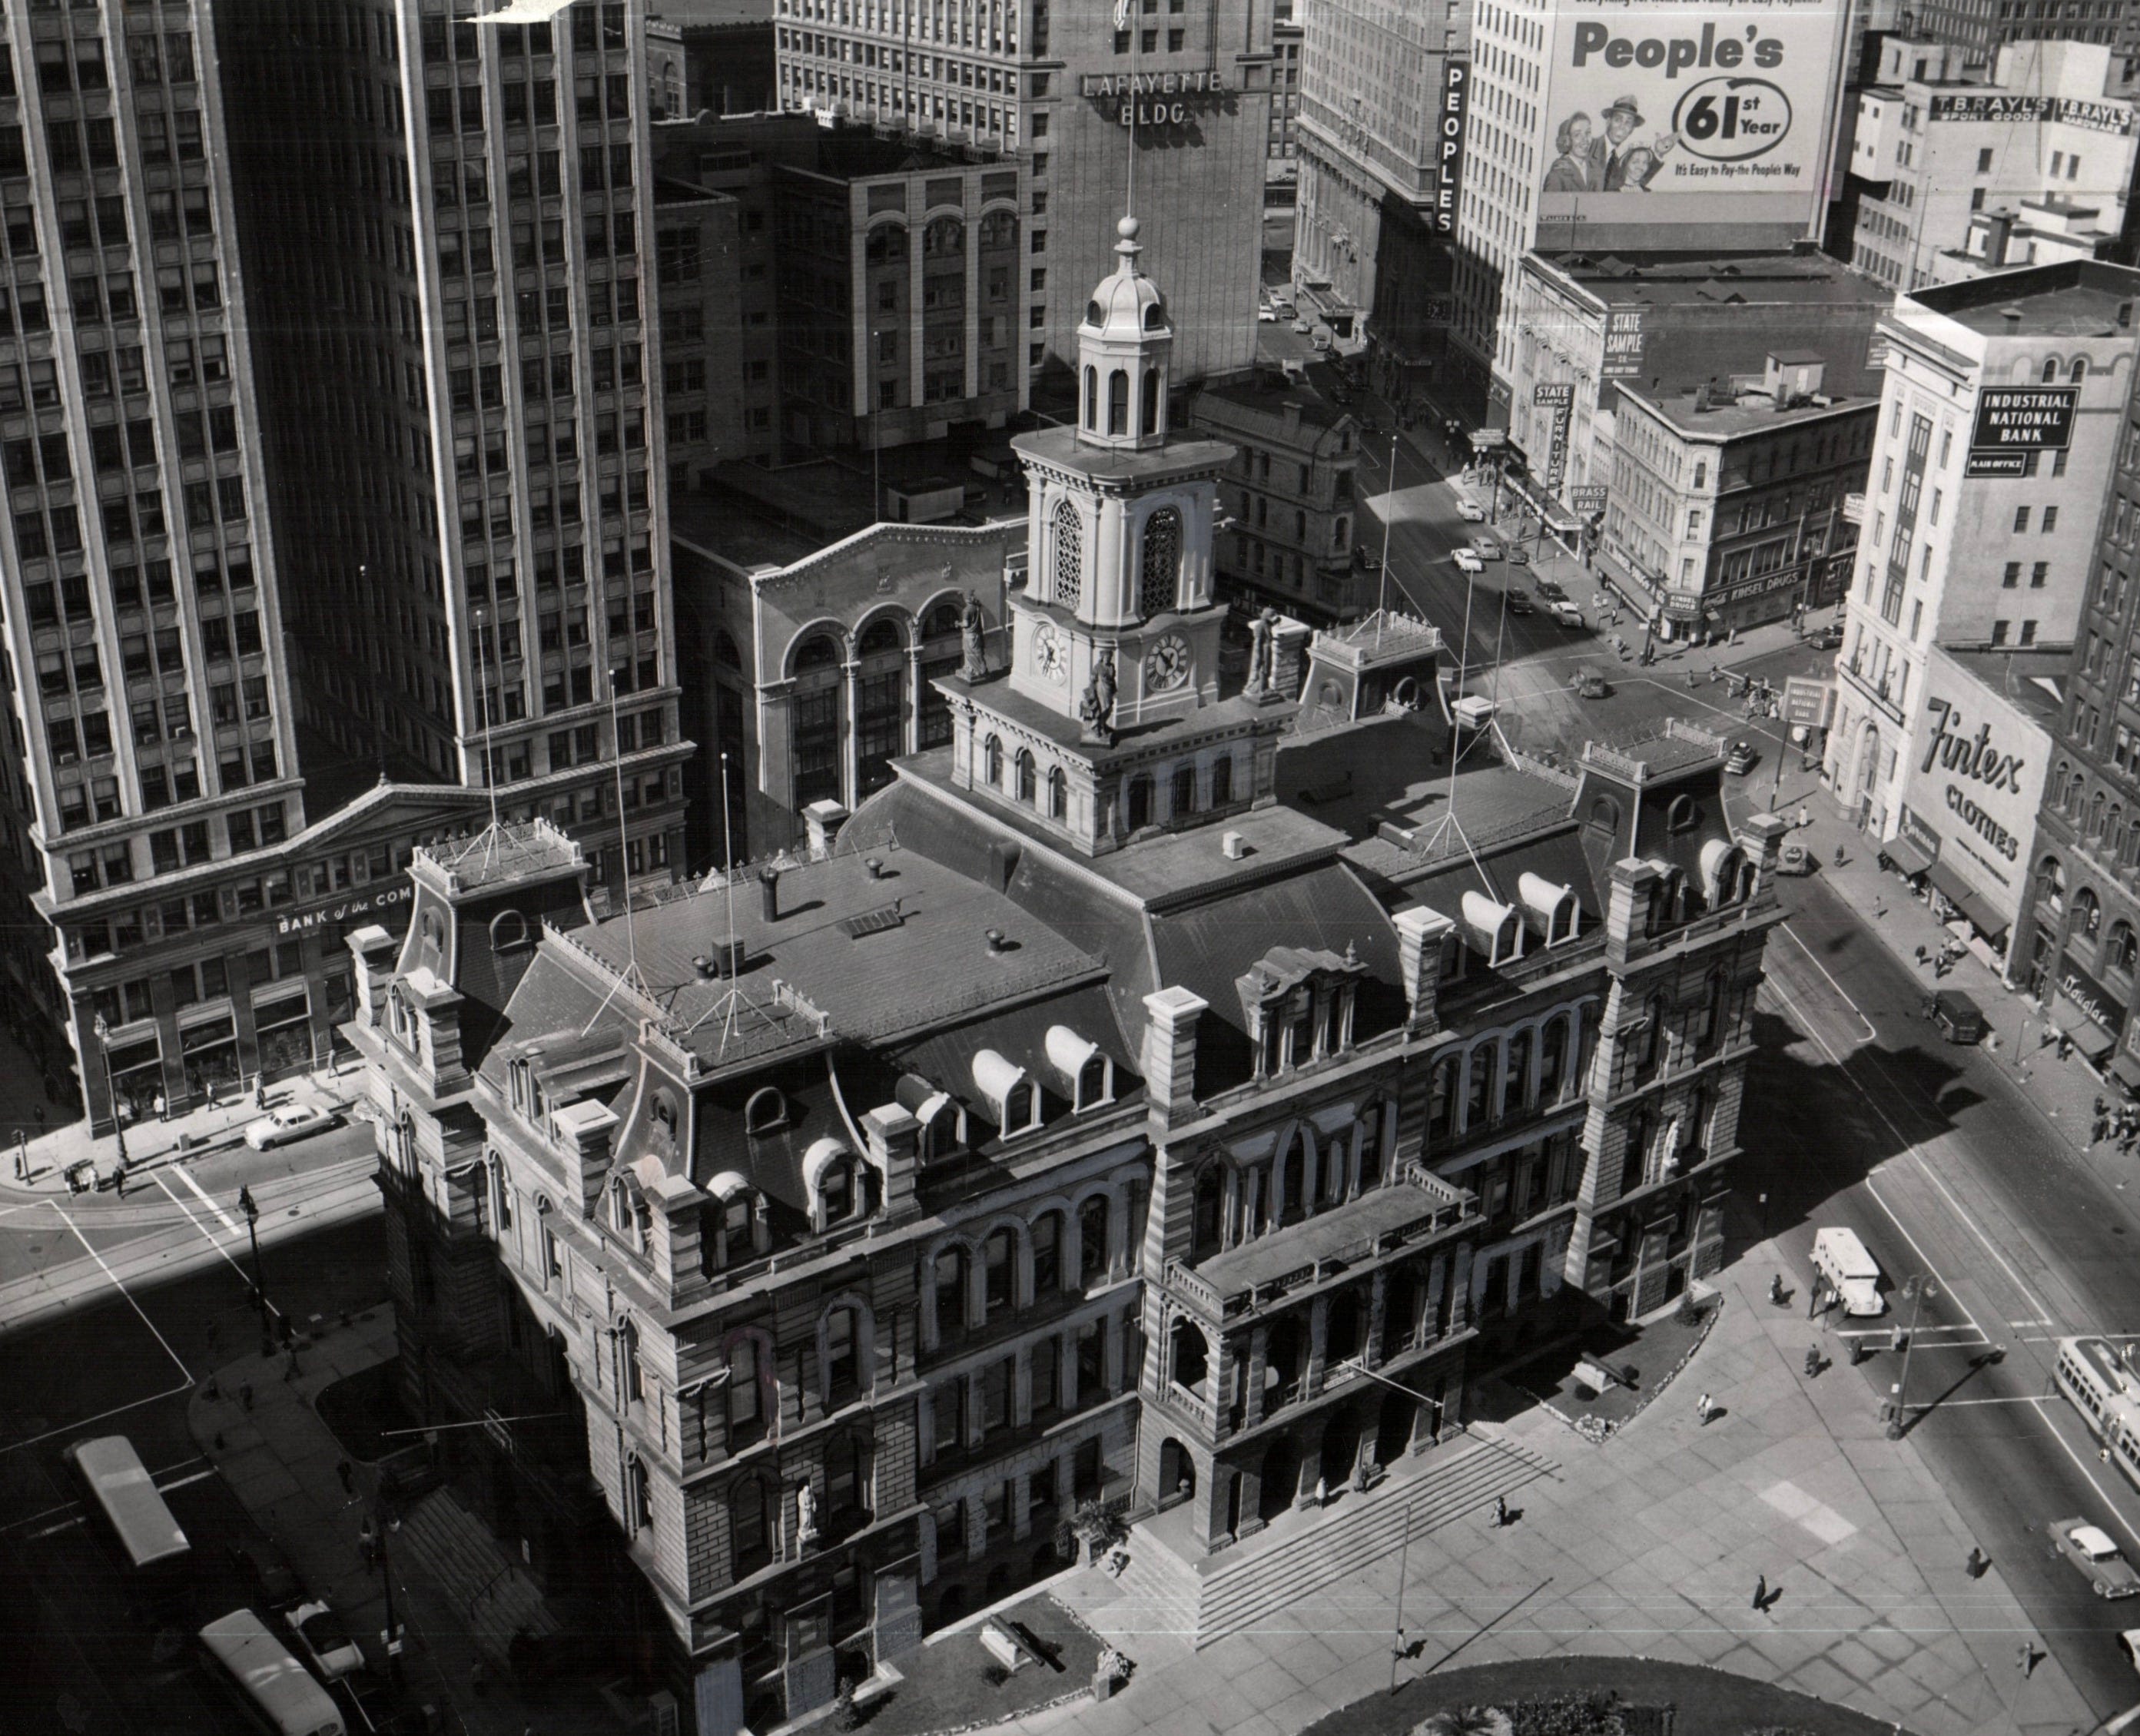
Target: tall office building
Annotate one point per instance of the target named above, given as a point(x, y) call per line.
point(1985, 25)
point(1191, 86)
point(445, 223)
point(1384, 85)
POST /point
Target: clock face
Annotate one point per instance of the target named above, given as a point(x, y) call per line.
point(1166, 664)
point(1050, 657)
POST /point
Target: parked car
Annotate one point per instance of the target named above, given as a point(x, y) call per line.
point(1303, 327)
point(1741, 759)
point(1519, 602)
point(324, 1642)
point(2089, 1547)
point(1365, 559)
point(1267, 316)
point(1826, 638)
point(1518, 556)
point(1467, 560)
point(1488, 546)
point(2128, 1642)
point(1565, 612)
point(1550, 591)
point(292, 1122)
point(1470, 512)
point(1959, 1018)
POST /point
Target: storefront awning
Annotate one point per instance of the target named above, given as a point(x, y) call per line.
point(1905, 857)
point(2088, 1036)
point(2126, 1070)
point(1977, 909)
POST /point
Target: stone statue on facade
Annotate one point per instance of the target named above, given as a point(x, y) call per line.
point(1096, 710)
point(805, 1516)
point(1262, 637)
point(972, 628)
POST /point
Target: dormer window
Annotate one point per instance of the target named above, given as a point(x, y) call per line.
point(1084, 1067)
point(828, 1172)
point(1013, 1095)
point(765, 1112)
point(509, 931)
point(1681, 814)
point(733, 1229)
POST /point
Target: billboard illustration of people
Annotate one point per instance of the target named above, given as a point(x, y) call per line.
point(1667, 112)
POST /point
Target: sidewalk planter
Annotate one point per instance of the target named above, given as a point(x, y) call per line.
point(1596, 1430)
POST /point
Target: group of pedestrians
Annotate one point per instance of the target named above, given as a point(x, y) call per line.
point(2118, 1120)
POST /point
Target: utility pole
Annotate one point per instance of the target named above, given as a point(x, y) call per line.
point(1917, 1289)
point(251, 1208)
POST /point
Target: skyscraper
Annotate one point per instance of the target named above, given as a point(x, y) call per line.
point(444, 221)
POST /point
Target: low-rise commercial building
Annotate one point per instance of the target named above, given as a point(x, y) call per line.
point(1726, 507)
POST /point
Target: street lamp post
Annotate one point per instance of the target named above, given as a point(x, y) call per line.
point(110, 1090)
point(251, 1208)
point(1404, 1549)
point(1919, 1289)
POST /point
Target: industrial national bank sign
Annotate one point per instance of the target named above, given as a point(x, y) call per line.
point(1156, 99)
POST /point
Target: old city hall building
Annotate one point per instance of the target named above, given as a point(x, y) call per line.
point(1094, 1113)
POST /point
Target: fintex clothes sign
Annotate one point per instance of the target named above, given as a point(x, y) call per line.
point(1673, 114)
point(2012, 421)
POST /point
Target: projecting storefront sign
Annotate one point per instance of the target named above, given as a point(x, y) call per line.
point(1560, 398)
point(2012, 421)
point(1156, 99)
point(1455, 94)
point(1588, 497)
point(1808, 704)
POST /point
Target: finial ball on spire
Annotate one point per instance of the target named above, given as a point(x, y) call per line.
point(1127, 228)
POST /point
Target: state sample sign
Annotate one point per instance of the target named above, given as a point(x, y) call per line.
point(1623, 344)
point(1671, 112)
point(2012, 421)
point(1559, 397)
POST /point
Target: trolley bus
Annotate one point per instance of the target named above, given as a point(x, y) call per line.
point(273, 1686)
point(2094, 1374)
point(119, 1487)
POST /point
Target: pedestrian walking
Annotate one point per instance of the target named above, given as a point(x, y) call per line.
point(1978, 1561)
point(1839, 855)
point(2100, 1131)
point(163, 1109)
point(1761, 1590)
point(118, 1181)
point(1703, 1407)
point(1812, 1361)
point(1776, 1288)
point(2027, 1658)
point(346, 1472)
point(1500, 1510)
point(260, 1091)
point(1805, 816)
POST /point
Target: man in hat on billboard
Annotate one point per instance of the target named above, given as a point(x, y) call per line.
point(1609, 155)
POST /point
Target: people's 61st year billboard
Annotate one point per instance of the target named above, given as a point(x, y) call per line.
point(1668, 112)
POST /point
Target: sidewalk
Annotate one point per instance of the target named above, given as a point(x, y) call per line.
point(1651, 1546)
point(50, 1157)
point(279, 1459)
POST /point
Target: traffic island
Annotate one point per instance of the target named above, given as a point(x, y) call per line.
point(963, 1680)
point(1604, 1378)
point(1595, 1697)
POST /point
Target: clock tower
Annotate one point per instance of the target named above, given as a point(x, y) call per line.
point(1109, 724)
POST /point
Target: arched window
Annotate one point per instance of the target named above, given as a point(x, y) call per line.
point(725, 652)
point(1441, 1100)
point(820, 651)
point(1139, 802)
point(2122, 951)
point(1206, 1232)
point(1150, 423)
point(950, 1295)
point(2086, 913)
point(1293, 1179)
point(1058, 793)
point(2050, 371)
point(1093, 1240)
point(842, 1357)
point(1653, 1033)
point(1159, 572)
point(1092, 399)
point(1184, 790)
point(750, 1547)
point(1118, 401)
point(881, 635)
point(1367, 1145)
point(1478, 1086)
point(942, 622)
point(1517, 1079)
point(765, 1112)
point(1028, 774)
point(635, 1381)
point(1222, 780)
point(2079, 371)
point(736, 1226)
point(1553, 1055)
point(509, 931)
point(992, 762)
point(1047, 1234)
point(836, 1192)
point(1069, 555)
point(641, 1493)
point(2095, 807)
point(999, 1273)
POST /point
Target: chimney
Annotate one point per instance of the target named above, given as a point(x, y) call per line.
point(1288, 638)
point(1627, 905)
point(894, 1137)
point(1004, 857)
point(1423, 938)
point(585, 1129)
point(1233, 846)
point(1761, 837)
point(822, 821)
point(1292, 419)
point(1170, 1053)
point(374, 950)
point(768, 892)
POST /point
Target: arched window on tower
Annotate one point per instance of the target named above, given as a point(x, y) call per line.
point(1069, 554)
point(1092, 399)
point(1160, 572)
point(1149, 424)
point(1027, 772)
point(1118, 401)
point(1058, 794)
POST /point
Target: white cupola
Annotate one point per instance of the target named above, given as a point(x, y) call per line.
point(1124, 343)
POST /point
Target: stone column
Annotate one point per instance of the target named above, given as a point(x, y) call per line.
point(1252, 1372)
point(914, 693)
point(1378, 1308)
point(850, 724)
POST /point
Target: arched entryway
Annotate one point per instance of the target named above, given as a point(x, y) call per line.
point(1341, 1446)
point(1177, 1473)
point(1393, 1427)
point(1281, 1478)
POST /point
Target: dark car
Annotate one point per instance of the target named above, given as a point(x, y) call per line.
point(1960, 1019)
point(1826, 638)
point(1551, 591)
point(1519, 601)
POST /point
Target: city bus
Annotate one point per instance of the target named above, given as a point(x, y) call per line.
point(2093, 1373)
point(274, 1687)
point(119, 1487)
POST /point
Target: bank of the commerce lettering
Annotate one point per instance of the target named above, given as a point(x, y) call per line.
point(1155, 99)
point(1973, 759)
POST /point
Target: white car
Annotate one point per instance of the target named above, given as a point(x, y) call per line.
point(1467, 560)
point(1303, 327)
point(1566, 613)
point(322, 1636)
point(1470, 512)
point(291, 1122)
point(2128, 1642)
point(1266, 317)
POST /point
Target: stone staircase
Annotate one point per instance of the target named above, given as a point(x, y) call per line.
point(1239, 1592)
point(1158, 1596)
point(457, 1553)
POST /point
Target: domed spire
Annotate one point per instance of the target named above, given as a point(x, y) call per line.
point(1124, 342)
